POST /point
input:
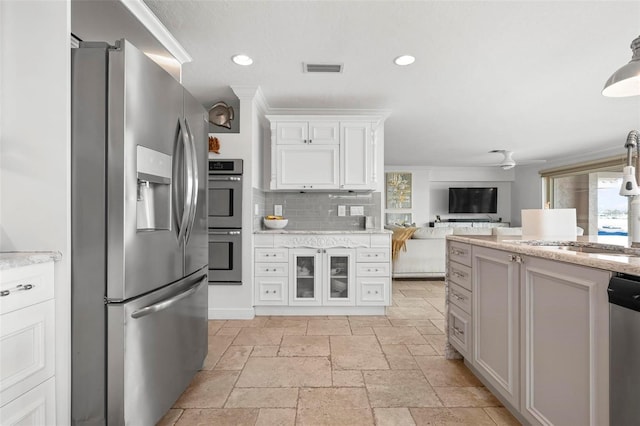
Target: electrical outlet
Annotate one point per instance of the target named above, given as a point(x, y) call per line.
point(357, 211)
point(256, 209)
point(342, 210)
point(277, 209)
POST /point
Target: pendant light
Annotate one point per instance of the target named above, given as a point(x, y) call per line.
point(626, 81)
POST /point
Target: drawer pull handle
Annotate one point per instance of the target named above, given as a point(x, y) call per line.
point(458, 330)
point(457, 252)
point(458, 296)
point(19, 287)
point(458, 274)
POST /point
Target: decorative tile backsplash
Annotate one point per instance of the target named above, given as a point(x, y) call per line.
point(318, 210)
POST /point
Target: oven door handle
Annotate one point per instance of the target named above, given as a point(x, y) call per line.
point(225, 179)
point(224, 232)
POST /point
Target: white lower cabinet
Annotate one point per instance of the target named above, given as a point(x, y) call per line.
point(339, 277)
point(459, 324)
point(496, 313)
point(565, 344)
point(540, 335)
point(308, 270)
point(305, 270)
point(271, 276)
point(272, 290)
point(27, 346)
point(35, 407)
point(322, 277)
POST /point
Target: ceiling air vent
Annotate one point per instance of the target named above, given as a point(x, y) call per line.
point(322, 67)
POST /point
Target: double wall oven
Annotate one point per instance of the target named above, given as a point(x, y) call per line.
point(225, 222)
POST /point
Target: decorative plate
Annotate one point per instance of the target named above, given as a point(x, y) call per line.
point(221, 115)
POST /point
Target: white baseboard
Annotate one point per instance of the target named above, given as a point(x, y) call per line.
point(225, 314)
point(319, 310)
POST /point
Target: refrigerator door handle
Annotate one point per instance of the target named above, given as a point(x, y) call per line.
point(167, 303)
point(196, 183)
point(187, 162)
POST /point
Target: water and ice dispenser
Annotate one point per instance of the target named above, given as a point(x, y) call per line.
point(154, 190)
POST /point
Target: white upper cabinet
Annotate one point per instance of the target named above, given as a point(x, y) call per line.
point(355, 156)
point(307, 132)
point(324, 153)
point(307, 167)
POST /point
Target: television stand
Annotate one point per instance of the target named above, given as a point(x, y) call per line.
point(469, 224)
point(469, 220)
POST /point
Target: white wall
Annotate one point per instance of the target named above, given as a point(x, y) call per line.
point(430, 190)
point(236, 301)
point(35, 186)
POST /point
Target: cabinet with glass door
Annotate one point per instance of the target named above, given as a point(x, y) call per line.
point(305, 276)
point(339, 277)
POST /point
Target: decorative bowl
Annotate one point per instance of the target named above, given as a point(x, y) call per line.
point(338, 285)
point(275, 223)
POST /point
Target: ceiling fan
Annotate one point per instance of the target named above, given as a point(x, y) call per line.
point(508, 162)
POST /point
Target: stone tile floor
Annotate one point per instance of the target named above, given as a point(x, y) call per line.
point(355, 370)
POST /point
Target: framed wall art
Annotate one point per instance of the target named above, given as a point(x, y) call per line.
point(398, 187)
point(399, 219)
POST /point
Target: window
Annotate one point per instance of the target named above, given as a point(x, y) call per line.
point(592, 189)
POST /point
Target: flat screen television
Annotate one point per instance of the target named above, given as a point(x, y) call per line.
point(473, 200)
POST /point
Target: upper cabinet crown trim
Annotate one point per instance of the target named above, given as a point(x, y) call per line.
point(375, 116)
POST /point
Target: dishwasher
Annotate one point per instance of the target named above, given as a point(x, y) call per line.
point(624, 350)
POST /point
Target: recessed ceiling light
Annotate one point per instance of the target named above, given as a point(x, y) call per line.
point(404, 60)
point(242, 60)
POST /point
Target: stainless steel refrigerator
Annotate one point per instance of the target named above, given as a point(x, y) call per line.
point(139, 237)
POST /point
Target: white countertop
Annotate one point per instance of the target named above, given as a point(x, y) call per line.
point(322, 232)
point(628, 264)
point(16, 259)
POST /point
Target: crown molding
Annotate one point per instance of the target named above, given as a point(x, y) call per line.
point(151, 22)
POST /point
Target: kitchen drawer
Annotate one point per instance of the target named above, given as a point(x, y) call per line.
point(460, 274)
point(372, 255)
point(272, 269)
point(36, 407)
point(372, 291)
point(373, 269)
point(27, 349)
point(460, 297)
point(272, 290)
point(460, 330)
point(460, 252)
point(36, 280)
point(272, 255)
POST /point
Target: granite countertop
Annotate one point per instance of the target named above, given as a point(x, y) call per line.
point(312, 231)
point(627, 262)
point(16, 259)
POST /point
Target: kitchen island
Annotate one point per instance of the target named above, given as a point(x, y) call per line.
point(322, 272)
point(531, 320)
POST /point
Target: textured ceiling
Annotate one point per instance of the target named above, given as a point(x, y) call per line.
point(521, 76)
